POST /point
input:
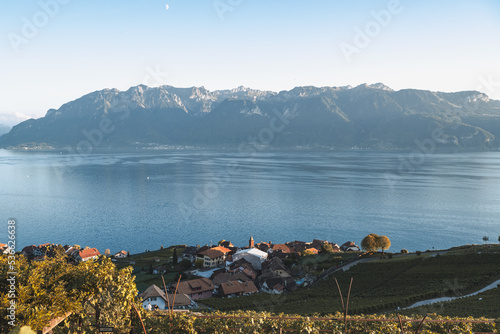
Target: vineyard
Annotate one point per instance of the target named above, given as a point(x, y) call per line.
point(384, 285)
point(81, 298)
point(255, 322)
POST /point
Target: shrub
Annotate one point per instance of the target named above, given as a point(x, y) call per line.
point(418, 253)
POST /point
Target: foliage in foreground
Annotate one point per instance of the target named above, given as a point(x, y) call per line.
point(263, 322)
point(49, 289)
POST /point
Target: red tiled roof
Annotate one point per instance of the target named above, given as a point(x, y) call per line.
point(187, 286)
point(222, 249)
point(231, 287)
point(212, 253)
point(90, 252)
point(281, 247)
point(249, 287)
point(312, 250)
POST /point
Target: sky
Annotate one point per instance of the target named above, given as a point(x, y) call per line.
point(55, 51)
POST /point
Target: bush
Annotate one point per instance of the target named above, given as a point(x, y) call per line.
point(418, 253)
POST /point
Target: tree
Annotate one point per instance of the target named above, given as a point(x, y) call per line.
point(383, 243)
point(372, 242)
point(175, 258)
point(54, 287)
point(220, 242)
point(369, 243)
point(185, 264)
point(486, 238)
point(307, 252)
point(499, 238)
point(198, 263)
point(327, 248)
point(107, 252)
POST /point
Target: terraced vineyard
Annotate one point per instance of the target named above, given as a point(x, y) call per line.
point(384, 285)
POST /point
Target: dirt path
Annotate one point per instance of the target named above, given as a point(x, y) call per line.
point(447, 299)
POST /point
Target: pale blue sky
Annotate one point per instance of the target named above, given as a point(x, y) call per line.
point(84, 46)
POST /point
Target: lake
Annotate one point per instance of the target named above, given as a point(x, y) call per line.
point(144, 199)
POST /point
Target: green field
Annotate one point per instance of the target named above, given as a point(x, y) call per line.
point(384, 285)
point(141, 263)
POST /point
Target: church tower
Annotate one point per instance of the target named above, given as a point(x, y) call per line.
point(251, 242)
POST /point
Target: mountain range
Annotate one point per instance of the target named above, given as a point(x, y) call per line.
point(366, 116)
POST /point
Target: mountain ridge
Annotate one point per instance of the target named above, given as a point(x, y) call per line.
point(366, 116)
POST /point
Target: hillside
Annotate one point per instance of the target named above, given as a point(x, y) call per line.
point(383, 285)
point(4, 129)
point(366, 116)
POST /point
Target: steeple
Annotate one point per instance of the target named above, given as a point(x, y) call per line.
point(251, 242)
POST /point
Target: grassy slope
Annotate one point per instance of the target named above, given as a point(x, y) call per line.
point(161, 257)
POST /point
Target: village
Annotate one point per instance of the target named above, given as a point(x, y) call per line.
point(223, 270)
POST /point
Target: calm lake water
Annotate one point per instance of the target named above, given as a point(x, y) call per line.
point(142, 200)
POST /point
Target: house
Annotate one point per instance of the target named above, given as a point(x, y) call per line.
point(199, 288)
point(297, 246)
point(36, 252)
point(182, 301)
point(249, 288)
point(277, 285)
point(281, 248)
point(87, 254)
point(349, 247)
point(318, 244)
point(335, 247)
point(28, 250)
point(311, 251)
point(235, 288)
point(4, 248)
point(227, 277)
point(276, 267)
point(252, 255)
point(153, 296)
point(230, 289)
point(224, 250)
point(264, 246)
point(72, 253)
point(121, 254)
point(212, 258)
point(243, 266)
point(189, 254)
